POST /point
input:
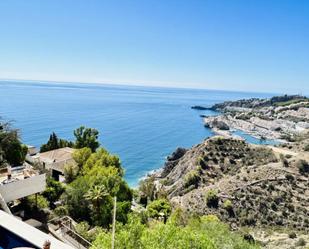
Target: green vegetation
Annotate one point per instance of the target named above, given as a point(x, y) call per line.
point(84, 138)
point(197, 233)
point(55, 143)
point(228, 205)
point(89, 196)
point(34, 202)
point(159, 208)
point(212, 199)
point(53, 191)
point(192, 178)
point(12, 151)
point(147, 189)
point(290, 102)
point(302, 166)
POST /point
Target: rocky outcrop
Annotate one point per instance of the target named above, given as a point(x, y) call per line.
point(259, 103)
point(279, 118)
point(172, 161)
point(216, 123)
point(198, 107)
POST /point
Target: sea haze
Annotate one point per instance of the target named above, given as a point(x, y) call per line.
point(140, 124)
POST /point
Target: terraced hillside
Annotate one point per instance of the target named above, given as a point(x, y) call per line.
point(243, 184)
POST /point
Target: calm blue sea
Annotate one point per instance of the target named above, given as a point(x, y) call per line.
point(140, 124)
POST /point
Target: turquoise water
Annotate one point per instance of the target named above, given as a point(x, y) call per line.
point(254, 140)
point(141, 124)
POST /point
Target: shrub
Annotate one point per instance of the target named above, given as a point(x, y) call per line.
point(202, 163)
point(228, 205)
point(61, 210)
point(306, 148)
point(302, 166)
point(36, 202)
point(212, 199)
point(292, 235)
point(289, 177)
point(54, 190)
point(192, 178)
point(300, 242)
point(158, 208)
point(70, 172)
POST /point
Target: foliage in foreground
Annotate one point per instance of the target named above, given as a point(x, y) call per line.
point(89, 196)
point(196, 233)
point(12, 151)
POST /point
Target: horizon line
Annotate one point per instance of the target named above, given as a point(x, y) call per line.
point(133, 85)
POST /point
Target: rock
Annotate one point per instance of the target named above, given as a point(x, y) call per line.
point(220, 125)
point(178, 153)
point(198, 107)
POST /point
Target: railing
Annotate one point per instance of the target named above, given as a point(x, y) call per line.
point(66, 227)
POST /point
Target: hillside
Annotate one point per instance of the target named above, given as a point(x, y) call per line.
point(260, 187)
point(243, 184)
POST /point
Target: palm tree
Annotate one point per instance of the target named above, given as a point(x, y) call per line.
point(96, 196)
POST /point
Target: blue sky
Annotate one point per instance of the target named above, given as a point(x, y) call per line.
point(260, 45)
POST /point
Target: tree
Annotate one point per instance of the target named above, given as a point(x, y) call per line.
point(12, 151)
point(81, 156)
point(70, 172)
point(86, 137)
point(83, 196)
point(54, 143)
point(53, 191)
point(158, 208)
point(96, 196)
point(103, 158)
point(147, 188)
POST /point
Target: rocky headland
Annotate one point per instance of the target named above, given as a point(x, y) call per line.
point(282, 118)
point(258, 188)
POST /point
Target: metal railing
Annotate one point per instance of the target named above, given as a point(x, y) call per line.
point(66, 227)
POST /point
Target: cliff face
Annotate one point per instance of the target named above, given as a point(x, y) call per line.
point(280, 118)
point(243, 184)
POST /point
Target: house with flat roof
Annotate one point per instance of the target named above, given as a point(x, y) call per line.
point(55, 160)
point(19, 182)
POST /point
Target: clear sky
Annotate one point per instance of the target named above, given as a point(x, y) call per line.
point(260, 45)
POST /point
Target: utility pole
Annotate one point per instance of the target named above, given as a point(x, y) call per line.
point(114, 223)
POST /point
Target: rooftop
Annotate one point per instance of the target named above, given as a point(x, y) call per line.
point(58, 155)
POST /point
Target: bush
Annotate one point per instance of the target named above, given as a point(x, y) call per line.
point(289, 177)
point(228, 205)
point(205, 232)
point(292, 235)
point(192, 178)
point(61, 211)
point(212, 199)
point(302, 166)
point(300, 242)
point(159, 208)
point(54, 190)
point(70, 172)
point(306, 148)
point(36, 202)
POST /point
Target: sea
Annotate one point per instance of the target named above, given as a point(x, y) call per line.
point(142, 125)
